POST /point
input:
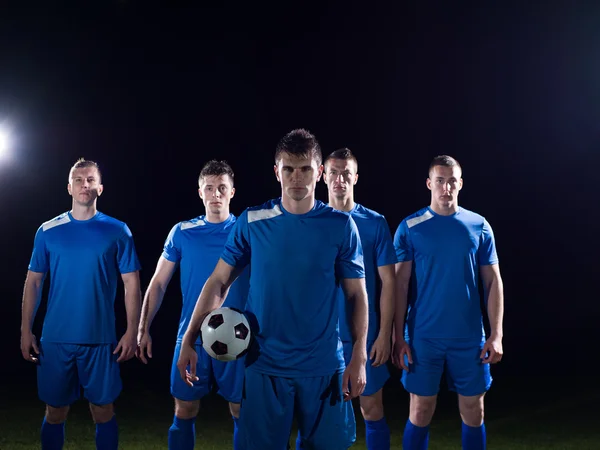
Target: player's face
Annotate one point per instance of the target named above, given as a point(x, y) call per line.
point(297, 176)
point(216, 192)
point(445, 183)
point(84, 186)
point(340, 177)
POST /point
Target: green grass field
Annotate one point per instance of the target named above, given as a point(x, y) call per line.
point(516, 419)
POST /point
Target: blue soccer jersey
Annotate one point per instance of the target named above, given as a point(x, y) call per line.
point(84, 258)
point(297, 261)
point(378, 250)
point(446, 252)
point(196, 246)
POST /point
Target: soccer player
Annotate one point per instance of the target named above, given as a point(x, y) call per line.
point(444, 249)
point(341, 174)
point(298, 249)
point(196, 245)
point(85, 251)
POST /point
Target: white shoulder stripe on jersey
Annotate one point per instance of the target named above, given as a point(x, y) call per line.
point(262, 214)
point(417, 220)
point(54, 223)
point(186, 225)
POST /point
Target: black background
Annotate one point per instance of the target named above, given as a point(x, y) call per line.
point(153, 92)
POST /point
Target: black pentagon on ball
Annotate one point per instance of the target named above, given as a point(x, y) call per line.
point(241, 331)
point(219, 348)
point(216, 321)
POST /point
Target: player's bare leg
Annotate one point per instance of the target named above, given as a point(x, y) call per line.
point(187, 409)
point(473, 428)
point(56, 415)
point(416, 432)
point(376, 428)
point(107, 433)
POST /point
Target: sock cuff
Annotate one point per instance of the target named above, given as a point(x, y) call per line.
point(376, 424)
point(473, 428)
point(110, 423)
point(412, 425)
point(179, 421)
point(54, 425)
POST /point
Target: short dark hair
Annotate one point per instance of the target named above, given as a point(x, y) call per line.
point(215, 168)
point(344, 154)
point(300, 143)
point(444, 161)
point(83, 163)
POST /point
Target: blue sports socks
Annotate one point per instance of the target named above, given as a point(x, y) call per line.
point(377, 434)
point(182, 434)
point(236, 443)
point(107, 435)
point(473, 438)
point(52, 435)
point(415, 438)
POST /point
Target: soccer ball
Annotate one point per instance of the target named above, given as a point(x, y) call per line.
point(225, 334)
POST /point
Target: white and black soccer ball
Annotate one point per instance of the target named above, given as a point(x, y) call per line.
point(225, 334)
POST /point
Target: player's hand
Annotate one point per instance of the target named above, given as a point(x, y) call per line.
point(380, 352)
point(144, 347)
point(354, 378)
point(187, 358)
point(29, 343)
point(126, 346)
point(492, 351)
point(400, 353)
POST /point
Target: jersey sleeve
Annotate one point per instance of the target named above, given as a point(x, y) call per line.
point(39, 257)
point(127, 258)
point(486, 254)
point(350, 263)
point(237, 248)
point(172, 248)
point(403, 244)
point(384, 246)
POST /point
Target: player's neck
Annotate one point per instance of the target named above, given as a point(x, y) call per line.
point(298, 206)
point(342, 204)
point(216, 218)
point(81, 212)
point(444, 210)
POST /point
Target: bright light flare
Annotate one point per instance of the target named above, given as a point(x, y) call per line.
point(4, 143)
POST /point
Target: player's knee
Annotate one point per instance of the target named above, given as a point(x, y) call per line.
point(371, 407)
point(102, 413)
point(186, 409)
point(234, 409)
point(422, 409)
point(56, 415)
point(471, 410)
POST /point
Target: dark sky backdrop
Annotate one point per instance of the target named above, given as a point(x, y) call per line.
point(151, 93)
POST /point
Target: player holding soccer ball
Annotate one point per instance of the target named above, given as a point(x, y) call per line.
point(299, 249)
point(85, 251)
point(195, 245)
point(447, 249)
point(341, 174)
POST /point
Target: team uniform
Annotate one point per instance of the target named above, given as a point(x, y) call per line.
point(84, 258)
point(295, 366)
point(196, 246)
point(378, 250)
point(444, 325)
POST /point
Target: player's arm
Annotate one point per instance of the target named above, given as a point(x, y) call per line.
point(386, 313)
point(212, 297)
point(356, 293)
point(403, 273)
point(152, 302)
point(32, 293)
point(354, 378)
point(494, 293)
point(133, 300)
